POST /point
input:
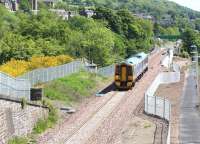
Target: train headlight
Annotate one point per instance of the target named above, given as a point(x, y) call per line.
point(129, 84)
point(116, 77)
point(130, 78)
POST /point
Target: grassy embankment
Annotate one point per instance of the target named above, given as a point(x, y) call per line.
point(69, 90)
point(74, 88)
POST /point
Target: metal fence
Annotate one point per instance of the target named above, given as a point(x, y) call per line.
point(158, 106)
point(48, 74)
point(107, 71)
point(14, 88)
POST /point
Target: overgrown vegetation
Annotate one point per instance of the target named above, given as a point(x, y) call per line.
point(73, 88)
point(112, 34)
point(23, 103)
point(45, 123)
point(24, 35)
point(166, 13)
point(190, 37)
point(18, 140)
point(19, 67)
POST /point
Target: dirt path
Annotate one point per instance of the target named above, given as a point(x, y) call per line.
point(107, 128)
point(137, 131)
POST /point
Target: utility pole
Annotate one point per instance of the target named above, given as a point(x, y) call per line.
point(196, 62)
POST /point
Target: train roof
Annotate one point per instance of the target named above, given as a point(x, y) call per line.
point(136, 58)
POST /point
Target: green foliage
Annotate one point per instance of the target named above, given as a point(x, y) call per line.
point(73, 88)
point(137, 34)
point(184, 54)
point(25, 5)
point(18, 140)
point(45, 123)
point(23, 103)
point(197, 24)
point(190, 37)
point(8, 21)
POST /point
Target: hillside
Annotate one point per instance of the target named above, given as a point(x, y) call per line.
point(165, 12)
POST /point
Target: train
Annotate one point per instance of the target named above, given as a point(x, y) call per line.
point(130, 70)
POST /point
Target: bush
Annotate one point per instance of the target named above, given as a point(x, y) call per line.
point(18, 140)
point(19, 67)
point(184, 54)
point(23, 103)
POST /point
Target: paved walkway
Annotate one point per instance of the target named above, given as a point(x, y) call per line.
point(190, 117)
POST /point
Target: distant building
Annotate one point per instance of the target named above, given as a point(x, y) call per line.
point(87, 13)
point(64, 14)
point(50, 3)
point(11, 5)
point(144, 16)
point(166, 20)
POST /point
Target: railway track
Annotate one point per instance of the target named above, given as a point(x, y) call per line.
point(98, 109)
point(109, 106)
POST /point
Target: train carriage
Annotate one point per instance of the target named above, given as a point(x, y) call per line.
point(128, 72)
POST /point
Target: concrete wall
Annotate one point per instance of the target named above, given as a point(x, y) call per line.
point(166, 61)
point(15, 121)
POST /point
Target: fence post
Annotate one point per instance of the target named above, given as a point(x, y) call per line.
point(155, 106)
point(169, 111)
point(147, 103)
point(164, 107)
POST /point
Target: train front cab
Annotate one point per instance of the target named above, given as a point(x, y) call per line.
point(123, 76)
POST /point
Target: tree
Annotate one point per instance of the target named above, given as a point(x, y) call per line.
point(190, 37)
point(25, 5)
point(114, 20)
point(98, 46)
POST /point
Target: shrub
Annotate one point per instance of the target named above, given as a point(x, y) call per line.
point(19, 67)
point(18, 140)
point(23, 103)
point(15, 67)
point(184, 54)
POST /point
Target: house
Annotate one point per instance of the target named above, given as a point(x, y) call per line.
point(50, 3)
point(61, 12)
point(87, 13)
point(64, 14)
point(144, 16)
point(166, 20)
point(11, 5)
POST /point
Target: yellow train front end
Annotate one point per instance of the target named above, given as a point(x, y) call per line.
point(123, 76)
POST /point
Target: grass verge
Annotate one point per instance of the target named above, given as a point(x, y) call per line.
point(74, 88)
point(18, 140)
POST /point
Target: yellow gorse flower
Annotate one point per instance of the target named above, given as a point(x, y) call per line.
point(18, 67)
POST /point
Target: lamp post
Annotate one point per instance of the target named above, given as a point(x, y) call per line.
point(195, 60)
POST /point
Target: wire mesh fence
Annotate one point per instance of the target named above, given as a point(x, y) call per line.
point(157, 106)
point(20, 87)
point(107, 71)
point(14, 88)
point(48, 74)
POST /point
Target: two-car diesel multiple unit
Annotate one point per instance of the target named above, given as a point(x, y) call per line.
point(128, 72)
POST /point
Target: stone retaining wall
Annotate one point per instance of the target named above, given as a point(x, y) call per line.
point(15, 121)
